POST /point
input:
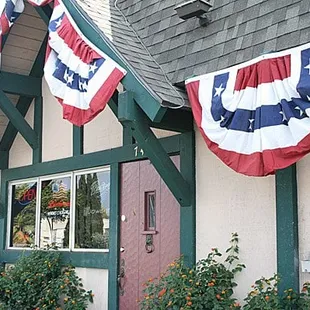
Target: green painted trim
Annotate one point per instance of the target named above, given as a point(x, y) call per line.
point(131, 116)
point(3, 212)
point(23, 103)
point(127, 135)
point(287, 228)
point(4, 160)
point(18, 84)
point(107, 157)
point(188, 214)
point(149, 102)
point(45, 13)
point(38, 125)
point(78, 140)
point(114, 237)
point(18, 120)
point(179, 120)
point(77, 259)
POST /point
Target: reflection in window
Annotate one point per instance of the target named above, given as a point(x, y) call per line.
point(150, 212)
point(92, 210)
point(23, 214)
point(55, 212)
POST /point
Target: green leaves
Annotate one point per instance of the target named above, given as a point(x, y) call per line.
point(40, 281)
point(208, 285)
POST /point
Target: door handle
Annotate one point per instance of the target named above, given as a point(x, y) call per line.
point(121, 276)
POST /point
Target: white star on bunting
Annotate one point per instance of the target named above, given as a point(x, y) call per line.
point(70, 79)
point(218, 90)
point(283, 115)
point(58, 23)
point(222, 118)
point(93, 68)
point(251, 120)
point(308, 66)
point(301, 112)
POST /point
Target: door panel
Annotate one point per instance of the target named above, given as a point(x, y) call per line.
point(137, 179)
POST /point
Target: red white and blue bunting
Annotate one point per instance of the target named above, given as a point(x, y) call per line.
point(255, 116)
point(79, 75)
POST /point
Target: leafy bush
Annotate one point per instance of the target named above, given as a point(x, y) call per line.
point(264, 295)
point(39, 281)
point(209, 285)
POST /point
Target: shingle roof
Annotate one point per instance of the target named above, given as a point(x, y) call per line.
point(111, 22)
point(239, 30)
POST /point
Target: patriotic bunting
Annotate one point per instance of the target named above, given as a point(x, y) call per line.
point(79, 75)
point(255, 116)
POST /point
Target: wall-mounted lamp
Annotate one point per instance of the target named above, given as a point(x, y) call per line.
point(194, 8)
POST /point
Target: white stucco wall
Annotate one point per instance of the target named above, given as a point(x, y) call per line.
point(97, 281)
point(228, 202)
point(57, 132)
point(304, 213)
point(103, 132)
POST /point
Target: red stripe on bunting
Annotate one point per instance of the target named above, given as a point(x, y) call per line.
point(5, 26)
point(79, 47)
point(80, 117)
point(256, 164)
point(264, 71)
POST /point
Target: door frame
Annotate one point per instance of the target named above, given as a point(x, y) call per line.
point(186, 150)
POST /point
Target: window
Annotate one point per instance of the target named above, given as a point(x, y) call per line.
point(70, 211)
point(150, 211)
point(23, 214)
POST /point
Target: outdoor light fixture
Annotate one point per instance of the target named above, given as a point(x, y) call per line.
point(194, 8)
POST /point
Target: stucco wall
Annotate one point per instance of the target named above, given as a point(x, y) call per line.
point(304, 213)
point(97, 281)
point(228, 202)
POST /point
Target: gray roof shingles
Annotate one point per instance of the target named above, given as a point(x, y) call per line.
point(239, 30)
point(110, 21)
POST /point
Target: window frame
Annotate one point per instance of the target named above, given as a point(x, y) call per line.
point(39, 179)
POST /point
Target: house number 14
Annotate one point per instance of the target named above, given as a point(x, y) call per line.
point(137, 151)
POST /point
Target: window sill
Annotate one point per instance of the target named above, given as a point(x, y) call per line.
point(98, 260)
point(149, 232)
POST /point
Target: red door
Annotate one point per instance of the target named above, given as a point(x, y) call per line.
point(150, 229)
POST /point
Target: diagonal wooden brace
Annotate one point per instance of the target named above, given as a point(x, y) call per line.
point(18, 120)
point(131, 115)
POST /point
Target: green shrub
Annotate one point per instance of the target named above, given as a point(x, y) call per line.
point(209, 285)
point(264, 295)
point(39, 281)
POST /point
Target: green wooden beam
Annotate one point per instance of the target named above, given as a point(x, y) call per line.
point(38, 124)
point(4, 160)
point(287, 228)
point(132, 116)
point(179, 120)
point(188, 214)
point(107, 157)
point(149, 102)
point(78, 140)
point(114, 237)
point(19, 84)
point(45, 13)
point(18, 120)
point(24, 103)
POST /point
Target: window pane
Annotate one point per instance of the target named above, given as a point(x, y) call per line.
point(92, 210)
point(150, 211)
point(55, 212)
point(23, 214)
